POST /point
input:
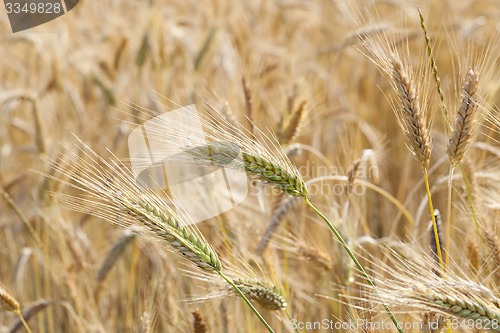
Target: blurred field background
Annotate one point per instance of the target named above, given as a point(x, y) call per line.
point(263, 59)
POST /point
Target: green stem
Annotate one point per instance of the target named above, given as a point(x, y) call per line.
point(433, 218)
point(353, 258)
point(238, 290)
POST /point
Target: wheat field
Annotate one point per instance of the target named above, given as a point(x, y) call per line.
point(368, 133)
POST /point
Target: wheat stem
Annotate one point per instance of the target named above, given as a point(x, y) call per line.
point(21, 318)
point(434, 224)
point(354, 259)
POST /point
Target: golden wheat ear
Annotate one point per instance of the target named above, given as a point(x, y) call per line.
point(9, 303)
point(466, 119)
point(412, 119)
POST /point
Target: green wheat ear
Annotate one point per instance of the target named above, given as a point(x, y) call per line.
point(274, 174)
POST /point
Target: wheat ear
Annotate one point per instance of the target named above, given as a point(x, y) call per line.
point(226, 154)
point(412, 118)
point(460, 139)
point(266, 295)
point(168, 228)
point(434, 245)
point(465, 119)
point(410, 283)
point(9, 303)
point(432, 63)
point(315, 255)
point(292, 128)
point(273, 173)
